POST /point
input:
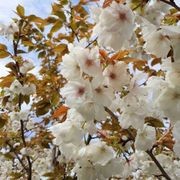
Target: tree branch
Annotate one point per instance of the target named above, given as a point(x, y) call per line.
point(17, 156)
point(15, 44)
point(171, 3)
point(27, 157)
point(91, 42)
point(149, 152)
point(111, 113)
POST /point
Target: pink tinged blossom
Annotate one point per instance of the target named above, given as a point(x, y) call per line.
point(169, 103)
point(89, 61)
point(116, 75)
point(114, 26)
point(102, 94)
point(69, 67)
point(97, 153)
point(76, 93)
point(157, 43)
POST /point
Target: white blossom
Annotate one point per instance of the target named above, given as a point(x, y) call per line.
point(22, 115)
point(28, 89)
point(16, 87)
point(76, 92)
point(157, 43)
point(145, 138)
point(69, 67)
point(97, 153)
point(116, 75)
point(114, 26)
point(168, 102)
point(26, 66)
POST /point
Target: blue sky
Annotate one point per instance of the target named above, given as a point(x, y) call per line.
point(7, 7)
point(39, 7)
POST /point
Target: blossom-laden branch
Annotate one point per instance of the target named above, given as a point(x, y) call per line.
point(19, 75)
point(17, 156)
point(149, 152)
point(27, 157)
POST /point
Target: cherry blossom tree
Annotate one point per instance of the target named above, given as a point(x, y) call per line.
point(105, 103)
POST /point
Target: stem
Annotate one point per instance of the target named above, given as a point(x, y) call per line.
point(111, 113)
point(92, 42)
point(171, 3)
point(87, 141)
point(17, 156)
point(149, 152)
point(27, 157)
point(19, 75)
point(71, 20)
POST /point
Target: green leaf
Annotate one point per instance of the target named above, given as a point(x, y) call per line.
point(55, 98)
point(36, 19)
point(3, 54)
point(56, 26)
point(20, 10)
point(60, 48)
point(27, 43)
point(3, 120)
point(42, 54)
point(42, 107)
point(64, 2)
point(154, 122)
point(51, 20)
point(19, 51)
point(60, 14)
point(3, 47)
point(26, 99)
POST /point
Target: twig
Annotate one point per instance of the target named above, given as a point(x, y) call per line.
point(111, 113)
point(171, 3)
point(29, 169)
point(149, 152)
point(92, 42)
point(87, 141)
point(17, 156)
point(27, 157)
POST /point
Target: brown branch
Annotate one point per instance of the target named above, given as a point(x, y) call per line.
point(27, 157)
point(111, 113)
point(149, 152)
point(15, 45)
point(88, 140)
point(17, 156)
point(171, 3)
point(92, 42)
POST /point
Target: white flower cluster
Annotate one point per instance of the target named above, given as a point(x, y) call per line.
point(140, 164)
point(42, 162)
point(87, 93)
point(15, 117)
point(17, 88)
point(26, 66)
point(9, 30)
point(97, 159)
